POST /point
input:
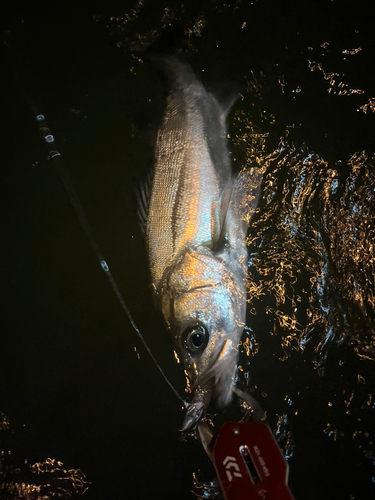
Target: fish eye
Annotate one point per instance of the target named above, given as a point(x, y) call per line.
point(196, 338)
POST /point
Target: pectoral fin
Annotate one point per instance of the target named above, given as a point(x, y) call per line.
point(225, 201)
point(243, 203)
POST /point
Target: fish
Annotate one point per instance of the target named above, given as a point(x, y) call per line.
point(195, 222)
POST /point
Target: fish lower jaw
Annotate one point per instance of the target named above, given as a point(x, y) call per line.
point(196, 410)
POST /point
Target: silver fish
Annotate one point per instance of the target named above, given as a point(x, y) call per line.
point(195, 229)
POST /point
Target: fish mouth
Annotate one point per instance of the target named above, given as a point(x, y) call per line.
point(215, 382)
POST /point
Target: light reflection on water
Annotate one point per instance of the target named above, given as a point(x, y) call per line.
point(315, 236)
point(38, 481)
point(311, 288)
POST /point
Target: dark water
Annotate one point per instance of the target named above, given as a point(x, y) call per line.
point(74, 389)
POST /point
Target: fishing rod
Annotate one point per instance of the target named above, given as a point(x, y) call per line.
point(57, 160)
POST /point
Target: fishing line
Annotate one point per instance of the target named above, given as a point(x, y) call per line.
point(58, 162)
point(56, 158)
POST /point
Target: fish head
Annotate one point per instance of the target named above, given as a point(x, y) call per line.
point(204, 304)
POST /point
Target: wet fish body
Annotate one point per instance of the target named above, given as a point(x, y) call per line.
point(196, 238)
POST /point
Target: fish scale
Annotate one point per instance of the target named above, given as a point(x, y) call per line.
point(180, 209)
